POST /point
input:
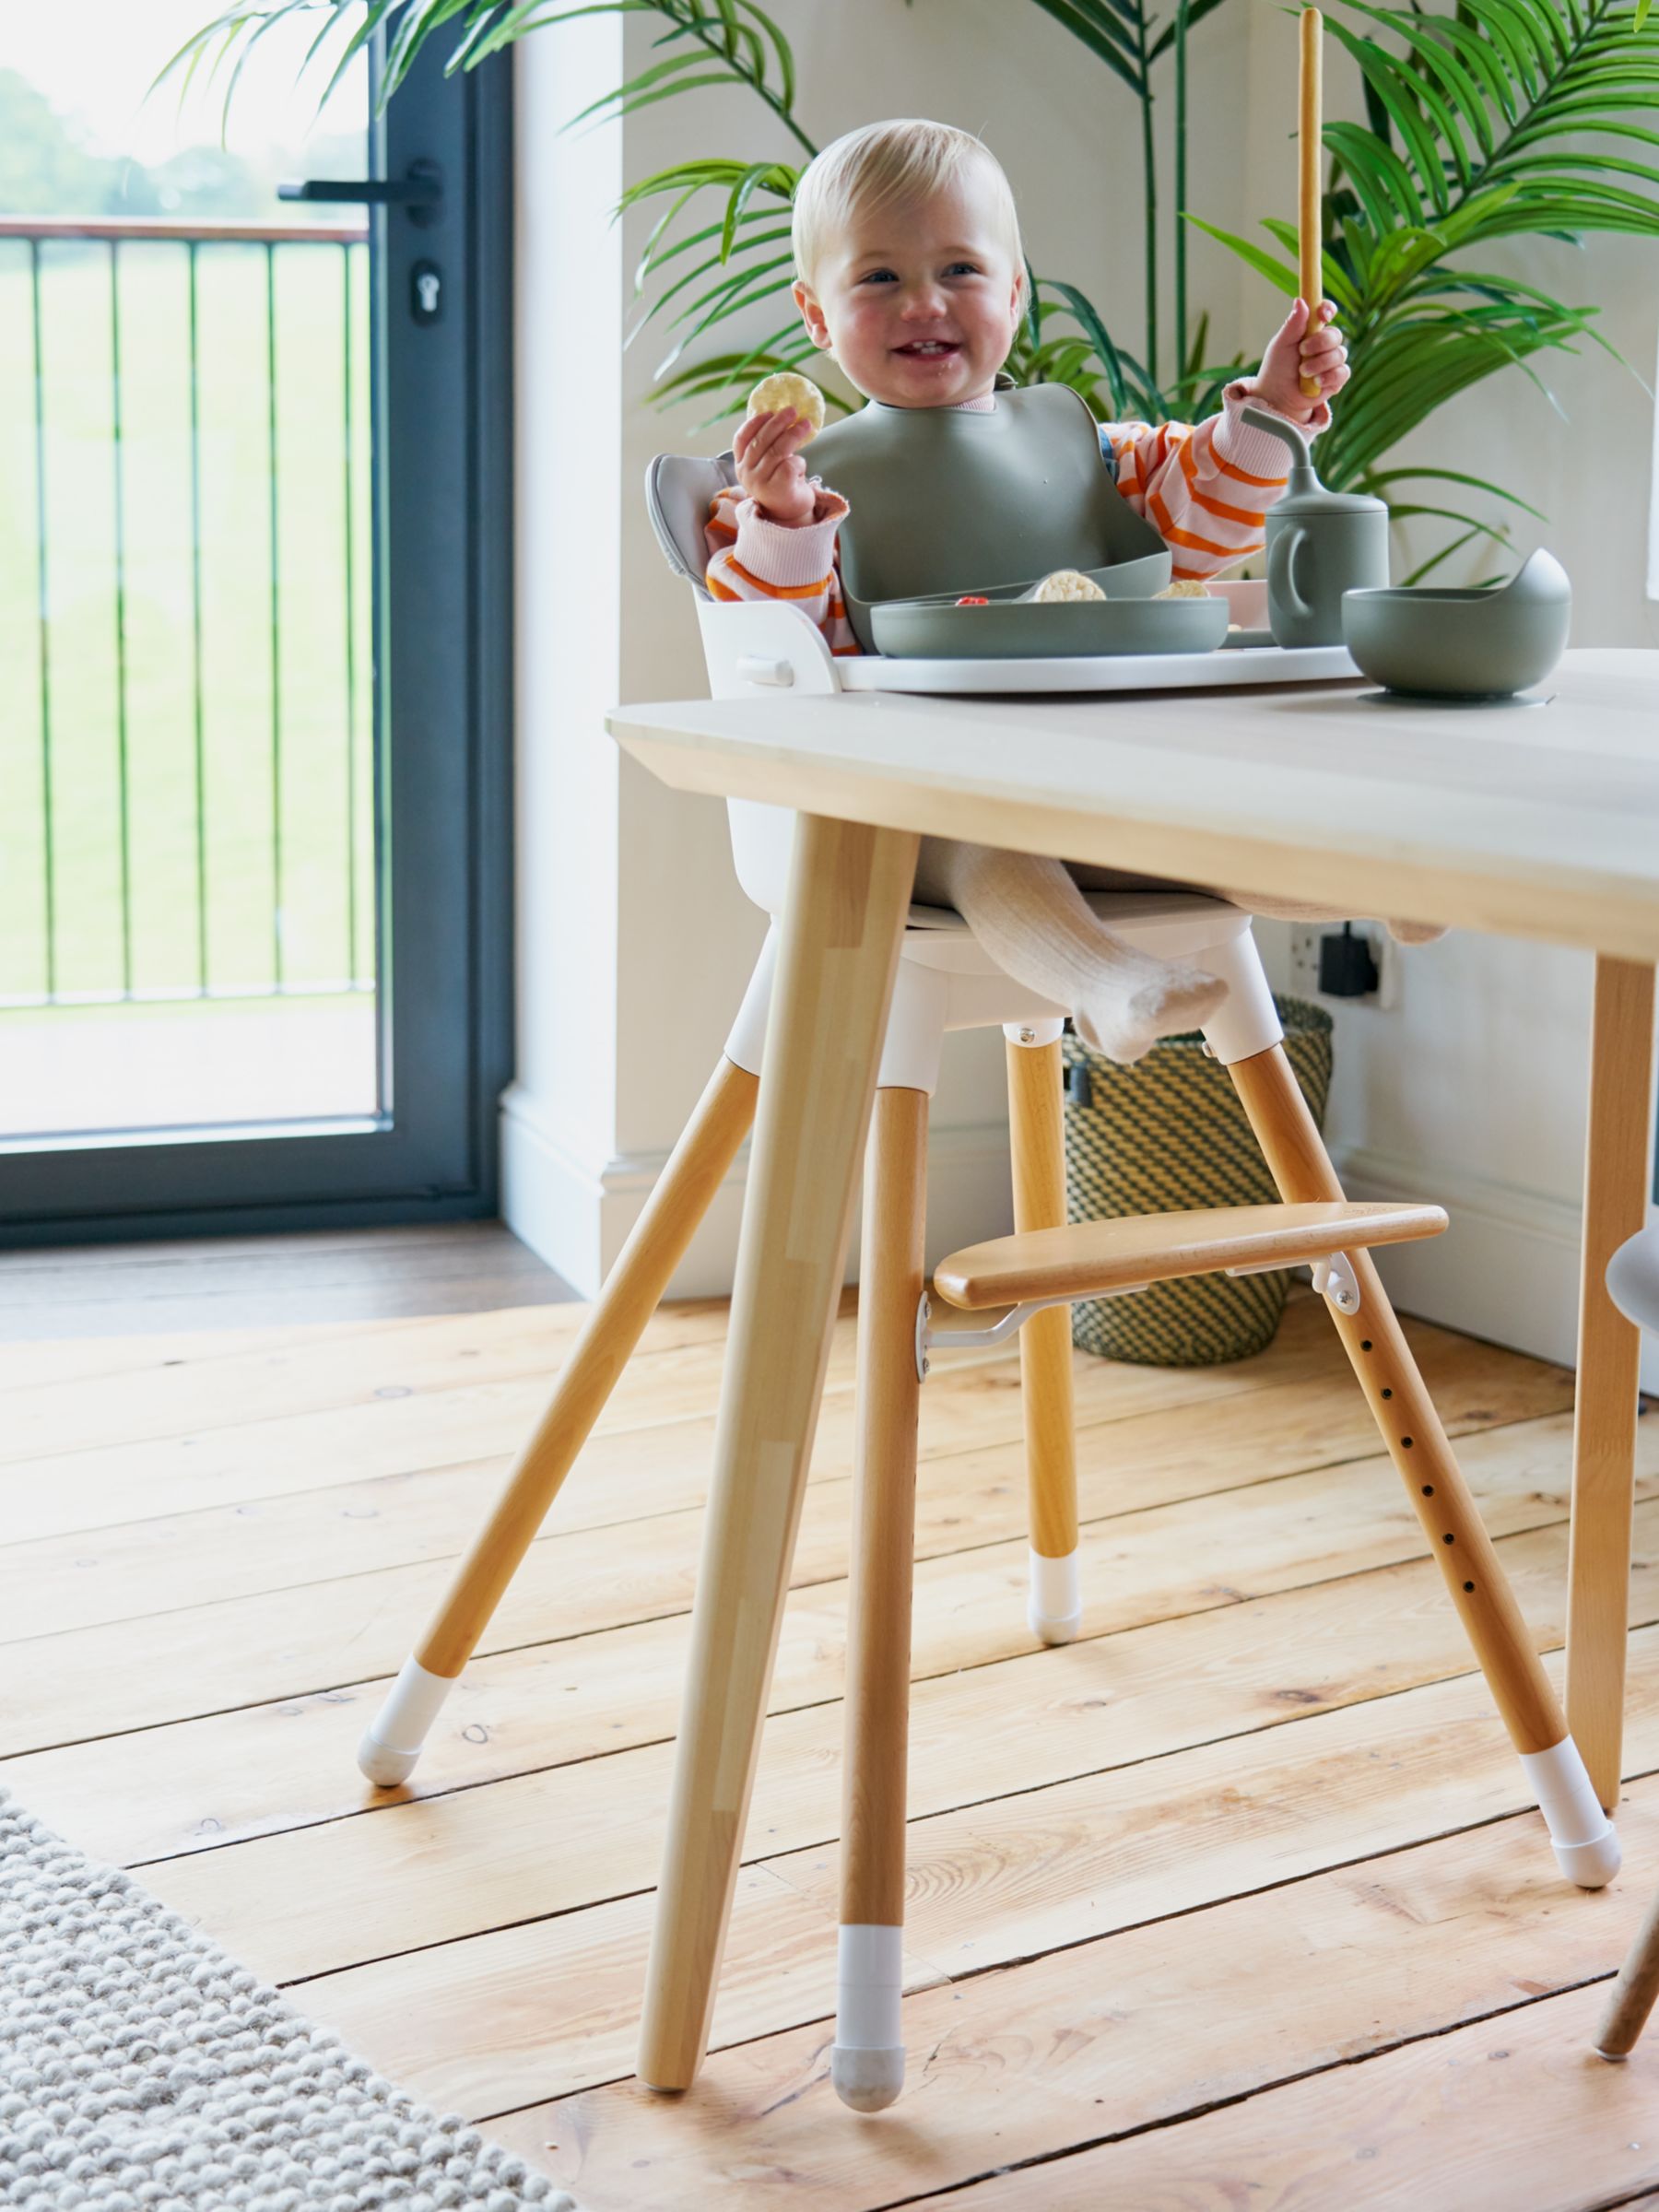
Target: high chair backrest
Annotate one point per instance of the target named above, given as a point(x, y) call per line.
point(679, 491)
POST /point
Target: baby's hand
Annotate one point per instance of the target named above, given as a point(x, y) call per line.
point(1297, 351)
point(767, 449)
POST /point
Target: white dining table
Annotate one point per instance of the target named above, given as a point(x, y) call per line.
point(1530, 820)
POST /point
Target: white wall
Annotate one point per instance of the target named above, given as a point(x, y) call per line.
point(634, 939)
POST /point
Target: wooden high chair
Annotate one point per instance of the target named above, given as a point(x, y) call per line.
point(945, 980)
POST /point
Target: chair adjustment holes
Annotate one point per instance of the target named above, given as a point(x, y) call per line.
point(1469, 1586)
point(1388, 1394)
point(1404, 1443)
point(1365, 1344)
point(1448, 1539)
point(1428, 1489)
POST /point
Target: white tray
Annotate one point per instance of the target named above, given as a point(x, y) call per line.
point(1220, 670)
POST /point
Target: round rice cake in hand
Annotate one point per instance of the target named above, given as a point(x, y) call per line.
point(1185, 587)
point(1066, 583)
point(787, 390)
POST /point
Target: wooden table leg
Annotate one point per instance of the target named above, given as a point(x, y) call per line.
point(848, 894)
point(1617, 1155)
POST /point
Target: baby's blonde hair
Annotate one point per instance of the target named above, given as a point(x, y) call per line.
point(885, 163)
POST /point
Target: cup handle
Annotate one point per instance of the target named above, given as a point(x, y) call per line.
point(1281, 573)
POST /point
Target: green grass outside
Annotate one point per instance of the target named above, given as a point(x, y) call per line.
point(298, 785)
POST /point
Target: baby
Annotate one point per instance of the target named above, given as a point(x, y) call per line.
point(911, 272)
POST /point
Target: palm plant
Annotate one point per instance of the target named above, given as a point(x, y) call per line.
point(1478, 118)
point(1478, 133)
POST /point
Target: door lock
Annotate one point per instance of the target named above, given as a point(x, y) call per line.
point(426, 292)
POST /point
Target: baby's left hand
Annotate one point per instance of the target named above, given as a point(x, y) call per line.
point(1298, 351)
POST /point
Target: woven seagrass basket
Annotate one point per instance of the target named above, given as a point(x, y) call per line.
point(1165, 1134)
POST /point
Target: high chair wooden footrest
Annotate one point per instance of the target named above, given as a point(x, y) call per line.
point(1089, 1259)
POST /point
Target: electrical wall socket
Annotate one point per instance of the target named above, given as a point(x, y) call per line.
point(1304, 962)
point(1304, 957)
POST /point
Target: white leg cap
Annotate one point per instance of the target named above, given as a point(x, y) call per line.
point(1591, 1865)
point(866, 2060)
point(392, 1743)
point(867, 2080)
point(1055, 1606)
point(1586, 1844)
point(382, 1766)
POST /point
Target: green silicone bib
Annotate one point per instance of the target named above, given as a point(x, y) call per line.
point(943, 501)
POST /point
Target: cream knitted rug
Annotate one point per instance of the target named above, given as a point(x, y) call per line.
point(141, 2070)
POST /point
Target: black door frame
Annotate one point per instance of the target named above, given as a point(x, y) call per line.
point(443, 650)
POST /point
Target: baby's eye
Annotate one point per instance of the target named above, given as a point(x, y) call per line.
point(877, 277)
point(963, 268)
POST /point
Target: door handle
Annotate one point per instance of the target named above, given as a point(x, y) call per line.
point(419, 190)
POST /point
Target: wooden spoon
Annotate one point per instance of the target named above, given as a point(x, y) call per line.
point(1308, 144)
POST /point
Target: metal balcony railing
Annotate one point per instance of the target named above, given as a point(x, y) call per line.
point(187, 778)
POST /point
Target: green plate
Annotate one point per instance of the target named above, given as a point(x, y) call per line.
point(1009, 630)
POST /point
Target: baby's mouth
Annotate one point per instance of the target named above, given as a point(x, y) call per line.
point(928, 350)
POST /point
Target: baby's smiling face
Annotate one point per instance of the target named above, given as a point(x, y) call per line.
point(919, 302)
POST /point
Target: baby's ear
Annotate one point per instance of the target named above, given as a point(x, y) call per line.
point(812, 314)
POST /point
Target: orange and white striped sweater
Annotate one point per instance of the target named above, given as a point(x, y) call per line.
point(1205, 488)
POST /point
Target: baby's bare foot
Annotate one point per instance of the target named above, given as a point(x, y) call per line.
point(1124, 1022)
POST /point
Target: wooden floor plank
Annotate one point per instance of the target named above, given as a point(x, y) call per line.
point(626, 1605)
point(221, 1395)
point(1515, 2114)
point(1069, 1722)
point(286, 1452)
point(991, 1885)
point(406, 1432)
point(55, 1361)
point(1130, 1453)
point(336, 1275)
point(245, 1772)
point(1030, 2061)
point(126, 1570)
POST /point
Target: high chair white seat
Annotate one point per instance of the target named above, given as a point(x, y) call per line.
point(945, 980)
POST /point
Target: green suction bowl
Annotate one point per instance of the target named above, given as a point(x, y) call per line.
point(1463, 644)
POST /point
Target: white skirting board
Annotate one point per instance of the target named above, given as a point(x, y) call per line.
point(577, 1217)
point(1507, 1269)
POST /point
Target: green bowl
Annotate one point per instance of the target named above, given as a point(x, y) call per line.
point(1463, 644)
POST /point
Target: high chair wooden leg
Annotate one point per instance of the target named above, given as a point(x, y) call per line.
point(847, 898)
point(868, 2061)
point(1585, 1846)
point(1618, 1150)
point(1037, 1138)
point(1632, 1996)
point(684, 1192)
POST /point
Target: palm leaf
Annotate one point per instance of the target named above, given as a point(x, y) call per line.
point(1396, 89)
point(1449, 475)
point(1105, 38)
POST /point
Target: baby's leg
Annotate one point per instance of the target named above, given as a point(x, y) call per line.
point(1034, 921)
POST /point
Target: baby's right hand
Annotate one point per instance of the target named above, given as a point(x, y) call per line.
point(767, 450)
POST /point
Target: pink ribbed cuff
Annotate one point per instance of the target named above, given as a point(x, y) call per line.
point(780, 553)
point(1259, 453)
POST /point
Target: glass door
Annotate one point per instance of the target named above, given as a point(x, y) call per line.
point(254, 552)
